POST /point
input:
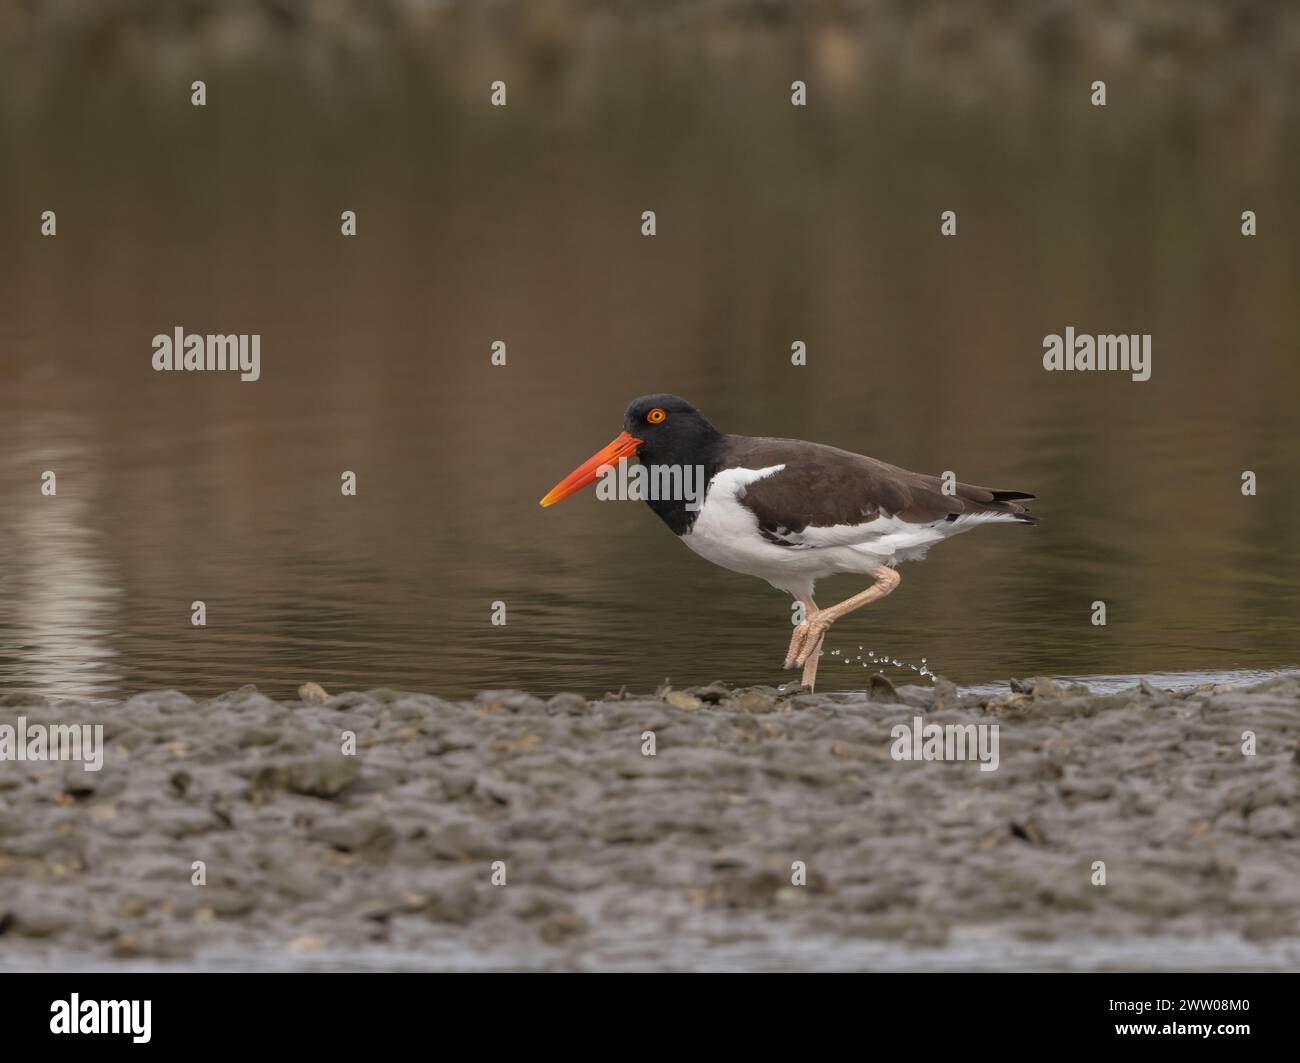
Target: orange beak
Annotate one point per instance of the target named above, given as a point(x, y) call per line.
point(623, 447)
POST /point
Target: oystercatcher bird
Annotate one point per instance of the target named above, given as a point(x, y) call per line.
point(791, 512)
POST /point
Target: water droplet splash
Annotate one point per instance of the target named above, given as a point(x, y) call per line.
point(883, 660)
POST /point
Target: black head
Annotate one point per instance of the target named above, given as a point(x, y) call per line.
point(660, 430)
point(671, 430)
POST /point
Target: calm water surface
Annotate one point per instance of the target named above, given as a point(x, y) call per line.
point(524, 227)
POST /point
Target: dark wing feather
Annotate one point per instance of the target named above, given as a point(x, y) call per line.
point(823, 486)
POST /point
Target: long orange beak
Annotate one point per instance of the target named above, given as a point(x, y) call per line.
point(623, 447)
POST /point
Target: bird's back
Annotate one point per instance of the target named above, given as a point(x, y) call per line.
point(823, 486)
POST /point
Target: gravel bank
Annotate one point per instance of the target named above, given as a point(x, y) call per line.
point(680, 860)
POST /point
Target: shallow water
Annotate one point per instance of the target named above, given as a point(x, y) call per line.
point(476, 226)
point(1175, 681)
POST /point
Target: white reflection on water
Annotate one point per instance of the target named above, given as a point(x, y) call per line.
point(57, 599)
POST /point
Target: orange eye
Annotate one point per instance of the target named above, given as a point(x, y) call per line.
point(656, 416)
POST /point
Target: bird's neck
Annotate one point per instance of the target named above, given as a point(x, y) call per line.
point(688, 466)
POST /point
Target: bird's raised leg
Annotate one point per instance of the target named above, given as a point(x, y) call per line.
point(808, 636)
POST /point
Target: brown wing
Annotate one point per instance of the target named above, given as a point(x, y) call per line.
point(823, 487)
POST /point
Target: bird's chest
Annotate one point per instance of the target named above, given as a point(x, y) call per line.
point(725, 531)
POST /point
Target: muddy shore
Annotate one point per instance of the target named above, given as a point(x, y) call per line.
point(681, 860)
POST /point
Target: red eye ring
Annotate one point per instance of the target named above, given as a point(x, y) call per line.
point(656, 416)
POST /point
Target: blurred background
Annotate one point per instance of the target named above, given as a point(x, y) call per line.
point(522, 224)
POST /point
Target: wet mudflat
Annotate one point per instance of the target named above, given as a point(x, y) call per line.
point(683, 860)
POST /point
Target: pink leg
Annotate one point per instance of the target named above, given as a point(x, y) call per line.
point(805, 643)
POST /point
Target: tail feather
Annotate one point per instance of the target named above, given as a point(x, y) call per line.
point(1012, 499)
point(991, 500)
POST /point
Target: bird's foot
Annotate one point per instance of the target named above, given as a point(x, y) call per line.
point(810, 669)
point(806, 642)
